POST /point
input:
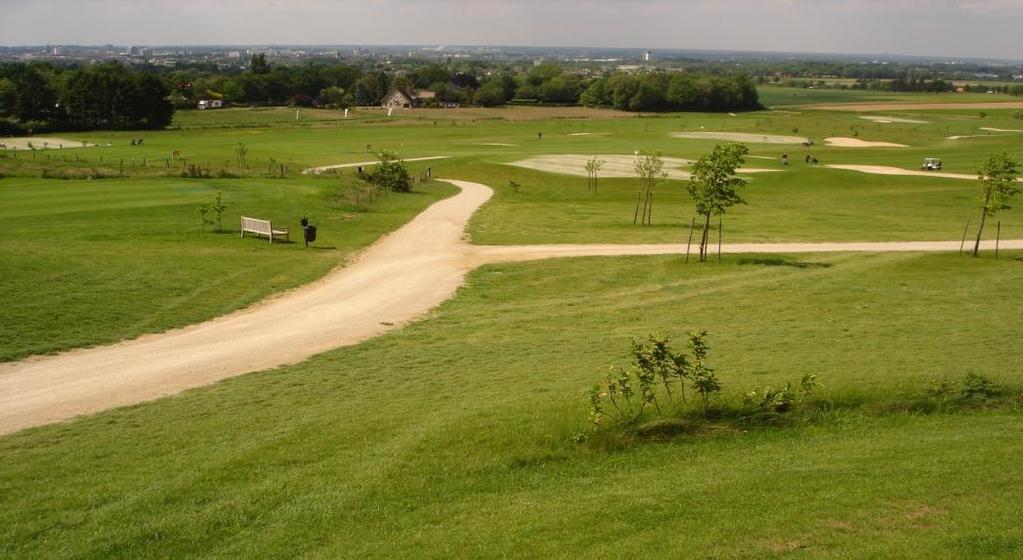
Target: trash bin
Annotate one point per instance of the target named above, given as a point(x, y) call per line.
point(309, 233)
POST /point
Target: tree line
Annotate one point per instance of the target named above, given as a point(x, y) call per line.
point(686, 91)
point(343, 86)
point(42, 97)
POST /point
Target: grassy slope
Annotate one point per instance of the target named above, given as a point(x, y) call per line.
point(88, 262)
point(453, 437)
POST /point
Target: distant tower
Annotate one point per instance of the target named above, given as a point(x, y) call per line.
point(646, 56)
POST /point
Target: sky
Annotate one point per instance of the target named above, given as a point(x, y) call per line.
point(944, 28)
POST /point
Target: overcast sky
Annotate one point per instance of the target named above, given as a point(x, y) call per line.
point(985, 28)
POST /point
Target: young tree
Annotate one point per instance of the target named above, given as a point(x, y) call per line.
point(218, 207)
point(240, 151)
point(713, 185)
point(998, 185)
point(650, 170)
point(204, 211)
point(592, 168)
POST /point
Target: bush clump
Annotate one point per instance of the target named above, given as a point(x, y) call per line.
point(391, 173)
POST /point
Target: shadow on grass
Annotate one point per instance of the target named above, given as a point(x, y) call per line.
point(783, 262)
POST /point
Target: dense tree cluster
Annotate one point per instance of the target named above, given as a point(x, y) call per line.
point(681, 91)
point(338, 85)
point(44, 97)
point(41, 97)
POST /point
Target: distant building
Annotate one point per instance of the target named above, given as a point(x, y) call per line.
point(405, 99)
point(646, 56)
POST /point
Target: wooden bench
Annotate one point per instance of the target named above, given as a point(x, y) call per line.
point(263, 227)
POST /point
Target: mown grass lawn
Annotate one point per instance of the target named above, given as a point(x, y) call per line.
point(89, 262)
point(455, 437)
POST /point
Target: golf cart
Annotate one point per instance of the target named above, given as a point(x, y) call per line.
point(931, 164)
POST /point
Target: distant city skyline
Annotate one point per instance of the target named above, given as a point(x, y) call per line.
point(940, 28)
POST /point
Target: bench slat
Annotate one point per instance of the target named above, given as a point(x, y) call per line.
point(263, 227)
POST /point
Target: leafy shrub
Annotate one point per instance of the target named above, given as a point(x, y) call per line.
point(196, 172)
point(973, 388)
point(655, 381)
point(391, 173)
point(1018, 115)
point(765, 402)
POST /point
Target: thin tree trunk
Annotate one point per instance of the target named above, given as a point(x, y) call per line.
point(646, 202)
point(692, 227)
point(983, 217)
point(635, 215)
point(705, 237)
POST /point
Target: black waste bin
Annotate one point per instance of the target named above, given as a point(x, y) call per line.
point(309, 232)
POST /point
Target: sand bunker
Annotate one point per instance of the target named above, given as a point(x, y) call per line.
point(957, 137)
point(741, 137)
point(614, 165)
point(885, 170)
point(42, 143)
point(588, 133)
point(1000, 129)
point(888, 120)
point(840, 142)
point(503, 144)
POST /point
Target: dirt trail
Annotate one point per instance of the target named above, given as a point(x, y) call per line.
point(395, 281)
point(515, 253)
point(318, 170)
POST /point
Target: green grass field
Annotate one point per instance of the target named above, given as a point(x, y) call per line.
point(464, 447)
point(459, 435)
point(772, 96)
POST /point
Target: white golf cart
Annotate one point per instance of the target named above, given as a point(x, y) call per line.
point(931, 164)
